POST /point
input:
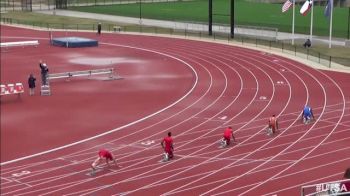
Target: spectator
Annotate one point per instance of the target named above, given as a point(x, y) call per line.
point(44, 72)
point(31, 83)
point(307, 43)
point(99, 27)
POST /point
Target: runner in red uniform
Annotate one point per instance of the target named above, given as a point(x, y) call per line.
point(103, 154)
point(167, 145)
point(273, 124)
point(228, 133)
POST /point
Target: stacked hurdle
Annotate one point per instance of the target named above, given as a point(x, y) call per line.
point(45, 89)
point(12, 89)
point(7, 45)
point(67, 75)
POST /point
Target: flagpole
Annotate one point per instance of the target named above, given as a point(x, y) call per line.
point(330, 27)
point(293, 22)
point(312, 19)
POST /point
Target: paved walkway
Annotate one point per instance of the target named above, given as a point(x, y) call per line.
point(192, 26)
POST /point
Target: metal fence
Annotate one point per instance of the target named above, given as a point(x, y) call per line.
point(296, 50)
point(30, 5)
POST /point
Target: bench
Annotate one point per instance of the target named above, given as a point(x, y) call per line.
point(68, 75)
point(12, 89)
point(22, 43)
point(117, 28)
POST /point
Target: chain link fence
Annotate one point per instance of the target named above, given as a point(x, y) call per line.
point(296, 50)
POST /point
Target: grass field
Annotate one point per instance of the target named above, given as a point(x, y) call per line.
point(339, 54)
point(246, 13)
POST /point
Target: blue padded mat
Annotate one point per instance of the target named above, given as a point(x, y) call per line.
point(74, 42)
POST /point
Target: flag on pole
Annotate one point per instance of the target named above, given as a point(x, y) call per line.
point(328, 9)
point(306, 7)
point(287, 5)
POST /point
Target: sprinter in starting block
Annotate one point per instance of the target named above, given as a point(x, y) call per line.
point(168, 147)
point(103, 154)
point(307, 115)
point(226, 140)
point(273, 125)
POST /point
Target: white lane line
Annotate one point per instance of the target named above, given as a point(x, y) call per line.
point(285, 149)
point(252, 119)
point(124, 126)
point(308, 182)
point(231, 159)
point(320, 143)
point(213, 172)
point(189, 130)
point(233, 101)
point(240, 164)
point(317, 167)
point(208, 105)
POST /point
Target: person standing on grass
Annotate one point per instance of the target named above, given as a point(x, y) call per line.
point(168, 147)
point(31, 84)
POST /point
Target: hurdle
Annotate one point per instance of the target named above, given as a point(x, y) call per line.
point(22, 43)
point(12, 89)
point(89, 73)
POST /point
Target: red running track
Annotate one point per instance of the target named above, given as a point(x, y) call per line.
point(193, 89)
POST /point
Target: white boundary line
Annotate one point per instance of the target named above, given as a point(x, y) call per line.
point(124, 126)
point(308, 153)
point(215, 143)
point(261, 170)
point(254, 168)
point(207, 106)
point(289, 85)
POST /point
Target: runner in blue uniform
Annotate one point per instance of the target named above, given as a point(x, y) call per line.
point(307, 115)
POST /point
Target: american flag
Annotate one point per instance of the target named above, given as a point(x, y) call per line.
point(287, 5)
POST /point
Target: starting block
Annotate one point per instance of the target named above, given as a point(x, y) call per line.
point(269, 131)
point(307, 120)
point(165, 157)
point(92, 173)
point(222, 143)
